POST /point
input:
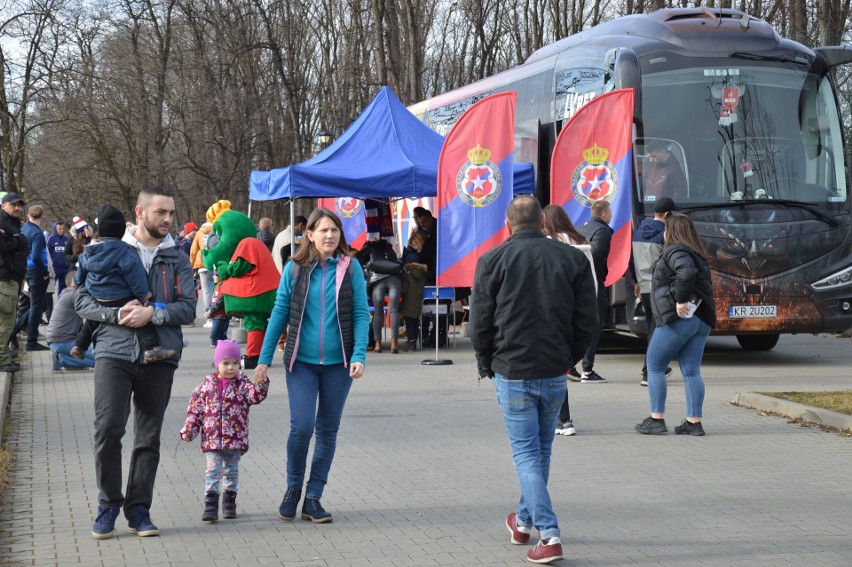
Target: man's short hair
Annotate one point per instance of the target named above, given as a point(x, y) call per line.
point(35, 211)
point(600, 207)
point(657, 145)
point(301, 220)
point(265, 223)
point(421, 212)
point(524, 212)
point(145, 195)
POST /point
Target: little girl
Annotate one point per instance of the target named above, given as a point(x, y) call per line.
point(219, 408)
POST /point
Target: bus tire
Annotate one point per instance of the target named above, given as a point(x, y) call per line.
point(758, 342)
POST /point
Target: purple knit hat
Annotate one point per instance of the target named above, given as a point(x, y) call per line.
point(227, 348)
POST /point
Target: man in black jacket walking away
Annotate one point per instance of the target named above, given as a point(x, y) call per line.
point(599, 234)
point(532, 316)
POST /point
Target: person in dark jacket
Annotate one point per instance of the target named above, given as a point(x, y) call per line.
point(684, 312)
point(265, 233)
point(114, 276)
point(663, 177)
point(599, 234)
point(647, 245)
point(56, 249)
point(532, 315)
point(14, 248)
point(322, 300)
point(123, 379)
point(38, 275)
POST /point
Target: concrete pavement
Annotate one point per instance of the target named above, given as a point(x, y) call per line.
point(423, 473)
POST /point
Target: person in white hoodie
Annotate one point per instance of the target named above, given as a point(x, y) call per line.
point(557, 225)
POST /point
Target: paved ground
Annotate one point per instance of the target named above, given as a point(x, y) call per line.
point(423, 474)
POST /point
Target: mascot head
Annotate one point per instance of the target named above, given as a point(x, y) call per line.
point(231, 227)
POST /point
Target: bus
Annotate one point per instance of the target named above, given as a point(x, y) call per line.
point(754, 123)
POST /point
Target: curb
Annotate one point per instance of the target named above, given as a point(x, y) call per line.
point(794, 410)
point(5, 388)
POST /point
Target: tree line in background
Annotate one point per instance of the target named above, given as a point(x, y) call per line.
point(101, 98)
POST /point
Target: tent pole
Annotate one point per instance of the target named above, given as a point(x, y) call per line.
point(437, 361)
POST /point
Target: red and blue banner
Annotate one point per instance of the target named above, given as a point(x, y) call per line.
point(351, 214)
point(593, 161)
point(474, 187)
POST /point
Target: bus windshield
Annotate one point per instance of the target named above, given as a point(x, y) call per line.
point(740, 131)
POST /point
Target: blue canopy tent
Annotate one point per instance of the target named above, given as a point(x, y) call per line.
point(386, 152)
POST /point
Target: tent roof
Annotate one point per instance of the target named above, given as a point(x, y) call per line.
point(386, 152)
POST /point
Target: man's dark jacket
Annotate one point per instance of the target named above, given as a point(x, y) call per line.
point(14, 249)
point(599, 235)
point(533, 308)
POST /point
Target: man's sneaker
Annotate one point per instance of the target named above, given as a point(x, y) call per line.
point(593, 378)
point(565, 428)
point(644, 380)
point(313, 511)
point(11, 367)
point(33, 347)
point(652, 426)
point(689, 428)
point(574, 376)
point(287, 510)
point(104, 526)
point(520, 534)
point(141, 524)
point(546, 551)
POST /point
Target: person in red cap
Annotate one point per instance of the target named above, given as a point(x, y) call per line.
point(219, 409)
point(189, 230)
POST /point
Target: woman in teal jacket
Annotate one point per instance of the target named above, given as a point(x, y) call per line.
point(322, 299)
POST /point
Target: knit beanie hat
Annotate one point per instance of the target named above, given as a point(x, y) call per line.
point(227, 348)
point(111, 222)
point(79, 224)
point(216, 210)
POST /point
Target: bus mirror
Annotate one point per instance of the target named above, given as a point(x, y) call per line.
point(835, 55)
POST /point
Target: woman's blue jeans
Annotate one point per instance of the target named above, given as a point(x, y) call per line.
point(684, 338)
point(317, 395)
point(530, 408)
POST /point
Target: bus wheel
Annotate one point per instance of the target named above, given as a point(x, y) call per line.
point(758, 342)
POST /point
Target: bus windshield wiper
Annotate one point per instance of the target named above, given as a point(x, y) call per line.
point(825, 217)
point(775, 58)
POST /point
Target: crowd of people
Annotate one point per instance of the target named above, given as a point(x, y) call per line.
point(120, 308)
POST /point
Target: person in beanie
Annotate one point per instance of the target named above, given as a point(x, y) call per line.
point(219, 409)
point(114, 276)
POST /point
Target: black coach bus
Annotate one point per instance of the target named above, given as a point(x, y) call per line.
point(754, 122)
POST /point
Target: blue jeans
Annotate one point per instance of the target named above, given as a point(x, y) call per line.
point(317, 395)
point(219, 329)
point(38, 291)
point(530, 408)
point(686, 339)
point(60, 354)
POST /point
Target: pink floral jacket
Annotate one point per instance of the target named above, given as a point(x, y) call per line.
point(222, 414)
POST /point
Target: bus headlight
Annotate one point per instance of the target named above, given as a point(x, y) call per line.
point(840, 279)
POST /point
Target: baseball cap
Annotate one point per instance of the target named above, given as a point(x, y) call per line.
point(13, 198)
point(189, 227)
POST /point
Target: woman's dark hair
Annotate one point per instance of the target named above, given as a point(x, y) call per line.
point(307, 250)
point(556, 222)
point(681, 230)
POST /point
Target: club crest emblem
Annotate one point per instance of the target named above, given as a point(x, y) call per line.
point(596, 179)
point(479, 181)
point(348, 207)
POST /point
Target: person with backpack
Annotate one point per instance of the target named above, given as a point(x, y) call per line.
point(325, 351)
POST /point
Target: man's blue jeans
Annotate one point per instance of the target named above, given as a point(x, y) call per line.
point(530, 408)
point(317, 395)
point(60, 354)
point(686, 339)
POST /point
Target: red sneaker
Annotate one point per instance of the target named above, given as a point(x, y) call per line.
point(545, 552)
point(518, 537)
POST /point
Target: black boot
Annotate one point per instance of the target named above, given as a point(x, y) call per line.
point(211, 507)
point(229, 505)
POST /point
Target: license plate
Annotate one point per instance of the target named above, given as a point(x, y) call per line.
point(753, 311)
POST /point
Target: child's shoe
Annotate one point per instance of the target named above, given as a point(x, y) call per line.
point(229, 505)
point(77, 352)
point(157, 354)
point(211, 507)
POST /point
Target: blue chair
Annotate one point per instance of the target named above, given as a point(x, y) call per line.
point(445, 297)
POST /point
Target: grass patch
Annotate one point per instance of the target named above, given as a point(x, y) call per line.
point(5, 467)
point(840, 402)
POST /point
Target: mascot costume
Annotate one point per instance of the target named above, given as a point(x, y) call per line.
point(248, 273)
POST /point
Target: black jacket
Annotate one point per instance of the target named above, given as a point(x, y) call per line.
point(533, 309)
point(14, 248)
point(599, 235)
point(679, 276)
